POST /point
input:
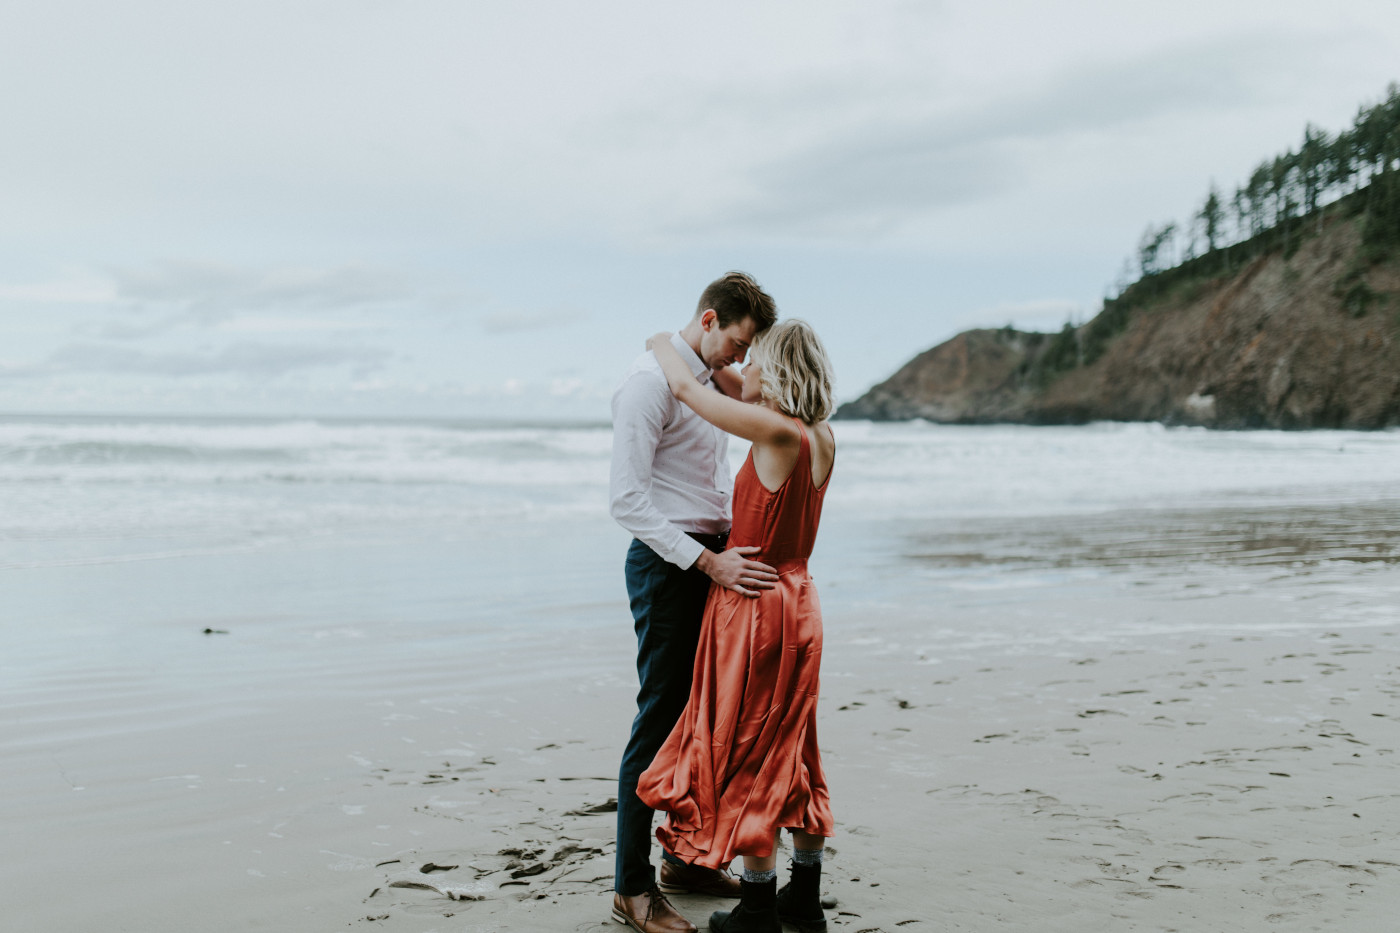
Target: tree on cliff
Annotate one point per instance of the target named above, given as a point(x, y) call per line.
point(1288, 187)
point(1154, 248)
point(1212, 215)
point(1279, 353)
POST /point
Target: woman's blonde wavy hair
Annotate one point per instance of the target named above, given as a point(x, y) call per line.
point(794, 371)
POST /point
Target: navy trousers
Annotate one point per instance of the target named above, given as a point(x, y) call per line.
point(667, 606)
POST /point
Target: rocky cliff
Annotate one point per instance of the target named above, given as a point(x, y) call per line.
point(1303, 337)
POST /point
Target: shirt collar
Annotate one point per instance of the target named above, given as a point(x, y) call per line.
point(698, 369)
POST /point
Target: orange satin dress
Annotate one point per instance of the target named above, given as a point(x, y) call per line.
point(743, 760)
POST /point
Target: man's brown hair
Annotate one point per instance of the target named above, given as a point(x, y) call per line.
point(735, 296)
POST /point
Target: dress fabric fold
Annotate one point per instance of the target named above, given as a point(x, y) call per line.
point(743, 758)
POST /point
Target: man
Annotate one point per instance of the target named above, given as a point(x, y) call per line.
point(670, 487)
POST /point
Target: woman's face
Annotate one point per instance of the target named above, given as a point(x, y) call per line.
point(753, 386)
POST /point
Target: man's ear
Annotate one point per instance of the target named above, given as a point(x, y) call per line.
point(707, 319)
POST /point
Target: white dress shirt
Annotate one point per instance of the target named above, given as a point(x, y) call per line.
point(670, 467)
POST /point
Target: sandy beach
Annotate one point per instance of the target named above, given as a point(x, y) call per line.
point(1210, 778)
point(1223, 784)
point(1176, 718)
point(1199, 781)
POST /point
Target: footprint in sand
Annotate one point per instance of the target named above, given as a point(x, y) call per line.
point(607, 806)
point(1166, 876)
point(472, 892)
point(1310, 878)
point(526, 868)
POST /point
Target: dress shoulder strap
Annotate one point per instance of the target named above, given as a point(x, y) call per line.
point(804, 455)
point(802, 430)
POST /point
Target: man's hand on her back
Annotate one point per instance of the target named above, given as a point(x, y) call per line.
point(733, 570)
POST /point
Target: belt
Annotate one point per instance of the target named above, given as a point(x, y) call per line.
point(713, 542)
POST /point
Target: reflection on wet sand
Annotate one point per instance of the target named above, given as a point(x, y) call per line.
point(1301, 539)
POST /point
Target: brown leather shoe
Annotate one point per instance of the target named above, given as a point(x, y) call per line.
point(693, 879)
point(649, 913)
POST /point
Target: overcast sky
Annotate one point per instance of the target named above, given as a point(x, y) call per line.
point(482, 209)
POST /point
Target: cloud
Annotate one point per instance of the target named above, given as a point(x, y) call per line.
point(245, 359)
point(870, 174)
point(220, 286)
point(281, 324)
point(179, 294)
point(20, 370)
point(61, 292)
point(509, 322)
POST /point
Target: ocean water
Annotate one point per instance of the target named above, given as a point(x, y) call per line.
point(116, 531)
point(94, 489)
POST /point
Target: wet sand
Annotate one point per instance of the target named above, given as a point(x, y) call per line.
point(1220, 755)
point(1132, 721)
point(1243, 783)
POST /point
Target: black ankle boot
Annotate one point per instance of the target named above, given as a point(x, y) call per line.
point(757, 911)
point(800, 900)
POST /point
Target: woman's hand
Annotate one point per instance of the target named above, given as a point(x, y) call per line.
point(677, 373)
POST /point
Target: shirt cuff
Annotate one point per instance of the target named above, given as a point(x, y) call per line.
point(687, 552)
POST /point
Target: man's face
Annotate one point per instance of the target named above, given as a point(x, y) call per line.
point(723, 346)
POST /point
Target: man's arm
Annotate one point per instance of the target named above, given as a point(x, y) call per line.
point(640, 410)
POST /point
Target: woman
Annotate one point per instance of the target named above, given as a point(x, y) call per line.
point(742, 763)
